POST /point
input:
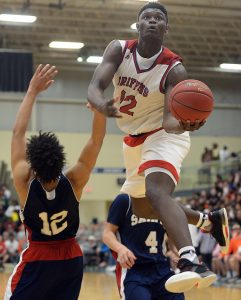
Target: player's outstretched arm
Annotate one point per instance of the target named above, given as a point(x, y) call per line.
point(125, 257)
point(41, 80)
point(102, 77)
point(79, 174)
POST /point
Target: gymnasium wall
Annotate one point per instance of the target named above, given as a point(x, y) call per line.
point(61, 108)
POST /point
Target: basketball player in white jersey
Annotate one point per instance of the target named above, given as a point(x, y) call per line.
point(143, 73)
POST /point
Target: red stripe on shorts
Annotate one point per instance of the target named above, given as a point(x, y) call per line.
point(133, 141)
point(17, 276)
point(161, 164)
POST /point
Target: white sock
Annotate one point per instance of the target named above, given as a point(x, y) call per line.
point(188, 253)
point(204, 222)
point(235, 274)
point(229, 275)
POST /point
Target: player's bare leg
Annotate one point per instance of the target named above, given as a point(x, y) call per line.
point(215, 223)
point(159, 187)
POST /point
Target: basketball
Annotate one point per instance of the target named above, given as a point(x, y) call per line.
point(191, 100)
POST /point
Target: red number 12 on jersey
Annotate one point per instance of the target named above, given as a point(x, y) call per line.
point(127, 107)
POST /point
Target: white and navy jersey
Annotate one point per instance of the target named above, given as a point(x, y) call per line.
point(144, 237)
point(51, 220)
point(140, 84)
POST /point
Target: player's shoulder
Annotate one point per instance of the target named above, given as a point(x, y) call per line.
point(122, 198)
point(168, 52)
point(127, 44)
point(169, 56)
point(122, 201)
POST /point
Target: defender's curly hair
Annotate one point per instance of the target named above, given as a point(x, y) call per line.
point(46, 156)
point(154, 5)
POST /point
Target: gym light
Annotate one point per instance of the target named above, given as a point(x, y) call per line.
point(79, 59)
point(94, 59)
point(133, 26)
point(17, 18)
point(226, 66)
point(66, 45)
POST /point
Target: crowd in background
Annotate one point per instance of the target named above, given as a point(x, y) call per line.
point(226, 192)
point(214, 153)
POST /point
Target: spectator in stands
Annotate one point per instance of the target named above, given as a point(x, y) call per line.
point(90, 252)
point(238, 217)
point(22, 244)
point(2, 229)
point(4, 196)
point(206, 247)
point(3, 254)
point(12, 248)
point(215, 151)
point(224, 154)
point(218, 265)
point(21, 232)
point(205, 172)
point(103, 252)
point(213, 198)
point(6, 192)
point(232, 260)
point(12, 209)
point(206, 155)
point(3, 218)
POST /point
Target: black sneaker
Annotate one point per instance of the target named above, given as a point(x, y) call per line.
point(191, 275)
point(220, 228)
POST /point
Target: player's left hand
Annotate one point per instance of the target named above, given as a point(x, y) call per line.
point(42, 78)
point(188, 126)
point(126, 257)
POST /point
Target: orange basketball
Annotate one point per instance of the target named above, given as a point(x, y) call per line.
point(191, 100)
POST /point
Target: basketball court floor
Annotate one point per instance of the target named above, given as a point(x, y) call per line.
point(100, 286)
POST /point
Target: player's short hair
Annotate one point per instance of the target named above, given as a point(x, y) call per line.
point(46, 156)
point(154, 5)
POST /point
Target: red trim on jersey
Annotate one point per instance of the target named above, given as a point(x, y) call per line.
point(161, 164)
point(168, 57)
point(131, 44)
point(139, 139)
point(118, 273)
point(17, 276)
point(161, 88)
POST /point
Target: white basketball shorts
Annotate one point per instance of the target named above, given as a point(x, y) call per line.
point(152, 151)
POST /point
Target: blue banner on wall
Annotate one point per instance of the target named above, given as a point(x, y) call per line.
point(16, 70)
point(109, 170)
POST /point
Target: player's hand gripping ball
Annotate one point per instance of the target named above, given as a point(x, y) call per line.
point(191, 100)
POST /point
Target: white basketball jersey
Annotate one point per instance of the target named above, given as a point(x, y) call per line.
point(141, 88)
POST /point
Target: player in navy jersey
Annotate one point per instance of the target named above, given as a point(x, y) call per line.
point(138, 244)
point(52, 265)
point(144, 72)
